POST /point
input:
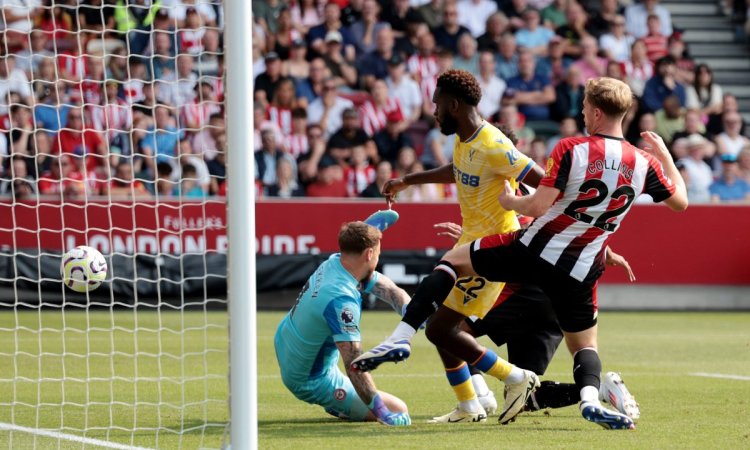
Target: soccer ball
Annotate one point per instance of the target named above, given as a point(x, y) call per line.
point(83, 269)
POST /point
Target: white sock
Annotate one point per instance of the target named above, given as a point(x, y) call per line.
point(472, 405)
point(402, 331)
point(480, 386)
point(516, 376)
point(589, 394)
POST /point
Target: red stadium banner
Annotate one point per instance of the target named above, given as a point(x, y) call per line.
point(704, 245)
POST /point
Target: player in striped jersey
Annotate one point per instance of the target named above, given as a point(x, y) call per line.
point(589, 186)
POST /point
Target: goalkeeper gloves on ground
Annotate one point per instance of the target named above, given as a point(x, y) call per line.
point(386, 416)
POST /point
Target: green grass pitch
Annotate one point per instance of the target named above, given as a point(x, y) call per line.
point(655, 352)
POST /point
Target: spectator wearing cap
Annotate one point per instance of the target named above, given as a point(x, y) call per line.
point(616, 44)
point(310, 88)
point(497, 25)
point(305, 15)
point(190, 36)
point(731, 141)
point(492, 86)
point(297, 67)
point(730, 187)
point(532, 92)
point(266, 159)
point(636, 16)
point(401, 86)
point(391, 139)
point(574, 29)
point(698, 174)
point(569, 97)
point(467, 58)
point(532, 36)
point(267, 82)
point(365, 30)
point(555, 64)
point(327, 109)
point(374, 112)
point(590, 63)
point(350, 135)
point(340, 67)
point(662, 85)
point(332, 22)
point(374, 65)
point(447, 34)
point(329, 182)
point(507, 59)
point(473, 15)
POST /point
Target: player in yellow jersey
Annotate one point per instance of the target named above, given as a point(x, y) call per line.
point(483, 160)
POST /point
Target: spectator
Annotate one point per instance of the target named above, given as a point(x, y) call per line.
point(467, 58)
point(532, 36)
point(188, 186)
point(492, 86)
point(510, 117)
point(286, 185)
point(217, 167)
point(21, 129)
point(614, 70)
point(205, 141)
point(497, 25)
point(514, 11)
point(13, 79)
point(569, 97)
point(447, 34)
point(555, 63)
point(405, 158)
point(507, 59)
point(685, 73)
point(297, 67)
point(638, 70)
point(309, 89)
point(731, 141)
point(616, 44)
point(438, 148)
point(195, 115)
point(657, 45)
point(331, 22)
point(280, 110)
point(432, 13)
point(281, 41)
point(636, 16)
point(29, 59)
point(267, 158)
point(704, 94)
point(419, 192)
point(164, 184)
point(537, 151)
point(398, 15)
point(730, 187)
point(160, 142)
point(383, 173)
point(359, 173)
point(662, 85)
point(424, 66)
point(209, 60)
point(715, 123)
point(375, 112)
point(401, 86)
point(374, 65)
point(574, 30)
point(351, 12)
point(693, 125)
point(188, 156)
point(568, 128)
point(391, 139)
point(326, 110)
point(553, 15)
point(305, 15)
point(62, 178)
point(532, 92)
point(601, 21)
point(45, 78)
point(83, 143)
point(473, 15)
point(51, 114)
point(407, 45)
point(132, 88)
point(124, 185)
point(743, 163)
point(341, 69)
point(190, 36)
point(699, 175)
point(350, 135)
point(590, 64)
point(366, 29)
point(330, 180)
point(296, 143)
point(308, 163)
point(17, 175)
point(267, 82)
point(670, 119)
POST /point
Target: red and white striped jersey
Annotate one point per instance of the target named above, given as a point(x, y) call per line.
point(191, 41)
point(357, 179)
point(282, 117)
point(195, 115)
point(374, 117)
point(296, 144)
point(423, 67)
point(112, 117)
point(598, 178)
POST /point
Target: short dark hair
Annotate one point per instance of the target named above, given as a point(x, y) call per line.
point(356, 237)
point(460, 84)
point(299, 113)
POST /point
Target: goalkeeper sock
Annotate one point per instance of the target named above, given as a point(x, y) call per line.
point(552, 394)
point(499, 368)
point(460, 380)
point(430, 294)
point(587, 369)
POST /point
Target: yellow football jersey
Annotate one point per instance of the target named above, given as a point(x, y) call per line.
point(481, 165)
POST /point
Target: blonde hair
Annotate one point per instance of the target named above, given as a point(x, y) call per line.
point(612, 96)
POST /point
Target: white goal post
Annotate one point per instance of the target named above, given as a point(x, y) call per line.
point(113, 135)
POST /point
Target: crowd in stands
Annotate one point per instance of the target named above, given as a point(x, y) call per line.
point(125, 97)
point(111, 98)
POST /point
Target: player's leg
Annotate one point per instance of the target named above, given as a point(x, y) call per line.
point(336, 394)
point(469, 409)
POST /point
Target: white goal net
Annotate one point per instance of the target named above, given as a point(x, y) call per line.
point(112, 136)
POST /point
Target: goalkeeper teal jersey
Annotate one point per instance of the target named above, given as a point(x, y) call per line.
point(327, 311)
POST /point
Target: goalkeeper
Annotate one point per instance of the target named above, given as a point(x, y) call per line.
point(324, 323)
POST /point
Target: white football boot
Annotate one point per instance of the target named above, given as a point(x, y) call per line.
point(458, 415)
point(516, 396)
point(613, 391)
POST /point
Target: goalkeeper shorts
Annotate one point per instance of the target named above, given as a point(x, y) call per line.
point(334, 392)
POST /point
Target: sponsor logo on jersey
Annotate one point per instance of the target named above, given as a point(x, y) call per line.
point(550, 165)
point(347, 316)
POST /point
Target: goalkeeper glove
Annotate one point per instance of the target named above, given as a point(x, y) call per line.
point(386, 416)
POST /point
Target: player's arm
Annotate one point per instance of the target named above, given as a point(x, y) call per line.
point(442, 174)
point(533, 205)
point(362, 381)
point(386, 290)
point(533, 176)
point(678, 201)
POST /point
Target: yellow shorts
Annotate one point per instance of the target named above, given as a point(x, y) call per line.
point(473, 296)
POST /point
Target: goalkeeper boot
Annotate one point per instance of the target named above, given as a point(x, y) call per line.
point(607, 418)
point(385, 352)
point(516, 396)
point(488, 402)
point(458, 415)
point(614, 392)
